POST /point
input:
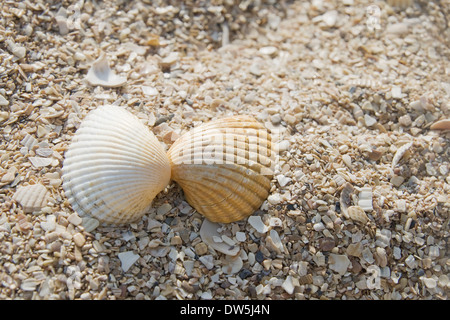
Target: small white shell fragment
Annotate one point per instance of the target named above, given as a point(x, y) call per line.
point(50, 224)
point(39, 162)
point(339, 263)
point(347, 160)
point(100, 74)
point(283, 180)
point(369, 120)
point(208, 232)
point(430, 283)
point(257, 223)
point(274, 198)
point(29, 284)
point(288, 285)
point(3, 101)
point(274, 240)
point(400, 152)
point(397, 28)
point(208, 261)
point(241, 236)
point(232, 264)
point(365, 199)
point(269, 50)
point(32, 197)
point(28, 141)
point(127, 259)
point(149, 91)
point(275, 222)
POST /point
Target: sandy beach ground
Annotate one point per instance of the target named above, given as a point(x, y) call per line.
point(357, 92)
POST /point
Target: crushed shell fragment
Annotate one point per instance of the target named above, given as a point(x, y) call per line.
point(32, 197)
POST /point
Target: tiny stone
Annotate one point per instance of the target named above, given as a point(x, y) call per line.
point(75, 219)
point(369, 121)
point(276, 119)
point(201, 248)
point(79, 239)
point(270, 50)
point(405, 121)
point(396, 92)
point(397, 180)
point(430, 283)
point(255, 70)
point(283, 145)
point(241, 236)
point(400, 205)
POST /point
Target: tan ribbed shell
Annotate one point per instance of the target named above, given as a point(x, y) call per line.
point(224, 167)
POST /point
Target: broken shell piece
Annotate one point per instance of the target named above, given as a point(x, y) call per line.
point(356, 213)
point(114, 167)
point(365, 199)
point(443, 124)
point(346, 198)
point(100, 74)
point(224, 167)
point(339, 263)
point(257, 223)
point(400, 153)
point(127, 259)
point(232, 264)
point(208, 233)
point(32, 197)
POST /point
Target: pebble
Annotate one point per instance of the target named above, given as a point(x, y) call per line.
point(75, 219)
point(241, 236)
point(369, 120)
point(396, 92)
point(269, 50)
point(274, 198)
point(50, 223)
point(79, 239)
point(201, 248)
point(397, 180)
point(255, 69)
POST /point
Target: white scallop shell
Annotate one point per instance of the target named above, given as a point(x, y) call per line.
point(224, 167)
point(114, 167)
